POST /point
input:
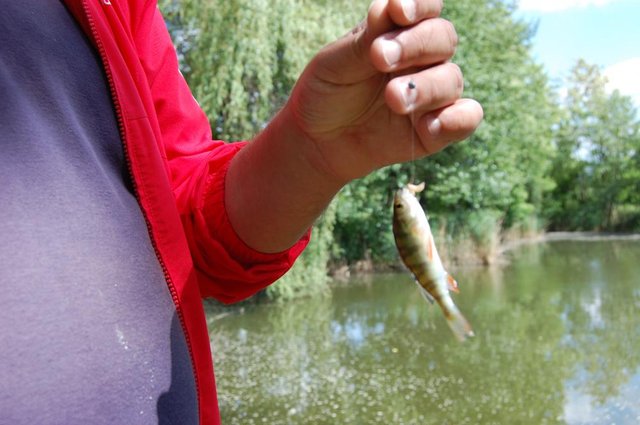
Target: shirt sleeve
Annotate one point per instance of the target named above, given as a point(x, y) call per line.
point(228, 269)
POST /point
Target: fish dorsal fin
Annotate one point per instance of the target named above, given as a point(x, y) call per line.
point(415, 188)
point(426, 295)
point(452, 284)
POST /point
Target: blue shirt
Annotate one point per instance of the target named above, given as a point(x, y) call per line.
point(88, 329)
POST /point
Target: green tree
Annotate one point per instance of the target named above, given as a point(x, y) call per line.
point(504, 166)
point(596, 170)
point(242, 57)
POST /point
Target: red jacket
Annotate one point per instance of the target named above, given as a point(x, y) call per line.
point(178, 173)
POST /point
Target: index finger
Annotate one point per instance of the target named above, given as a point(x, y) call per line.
point(408, 12)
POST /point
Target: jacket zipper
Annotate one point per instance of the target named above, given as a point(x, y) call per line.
point(121, 127)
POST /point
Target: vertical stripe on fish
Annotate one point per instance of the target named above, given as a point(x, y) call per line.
point(418, 252)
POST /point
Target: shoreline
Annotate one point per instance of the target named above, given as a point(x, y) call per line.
point(343, 272)
point(569, 236)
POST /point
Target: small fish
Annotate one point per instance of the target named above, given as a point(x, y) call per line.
point(417, 249)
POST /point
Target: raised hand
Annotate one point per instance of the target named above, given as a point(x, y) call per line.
point(353, 103)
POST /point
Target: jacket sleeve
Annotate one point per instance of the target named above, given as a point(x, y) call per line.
point(228, 269)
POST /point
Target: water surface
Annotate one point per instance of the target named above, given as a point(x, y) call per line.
point(558, 342)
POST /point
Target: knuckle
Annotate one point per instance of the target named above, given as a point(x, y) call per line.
point(424, 37)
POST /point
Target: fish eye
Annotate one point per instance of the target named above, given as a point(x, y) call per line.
point(398, 205)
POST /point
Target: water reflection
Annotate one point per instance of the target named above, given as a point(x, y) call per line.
point(558, 336)
point(582, 408)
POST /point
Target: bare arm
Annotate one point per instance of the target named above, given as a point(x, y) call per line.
point(350, 113)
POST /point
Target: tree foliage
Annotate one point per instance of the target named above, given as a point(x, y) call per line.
point(596, 168)
point(242, 57)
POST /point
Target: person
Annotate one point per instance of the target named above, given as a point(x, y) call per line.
point(119, 213)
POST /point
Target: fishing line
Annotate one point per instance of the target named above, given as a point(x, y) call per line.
point(412, 86)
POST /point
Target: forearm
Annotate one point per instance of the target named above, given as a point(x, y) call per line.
point(273, 190)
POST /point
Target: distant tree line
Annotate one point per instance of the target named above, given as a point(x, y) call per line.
point(563, 157)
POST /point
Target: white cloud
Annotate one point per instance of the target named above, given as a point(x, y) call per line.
point(625, 77)
point(558, 5)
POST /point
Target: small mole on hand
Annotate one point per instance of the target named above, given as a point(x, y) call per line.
point(412, 85)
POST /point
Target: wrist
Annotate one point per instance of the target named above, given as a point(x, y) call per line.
point(311, 150)
point(275, 188)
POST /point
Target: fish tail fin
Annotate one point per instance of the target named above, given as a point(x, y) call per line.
point(459, 325)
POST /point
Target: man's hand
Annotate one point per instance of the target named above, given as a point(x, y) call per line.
point(353, 103)
point(351, 112)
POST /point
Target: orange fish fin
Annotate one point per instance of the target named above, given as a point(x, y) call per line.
point(453, 285)
point(430, 247)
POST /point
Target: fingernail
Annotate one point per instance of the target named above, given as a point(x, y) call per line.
point(409, 9)
point(434, 125)
point(391, 51)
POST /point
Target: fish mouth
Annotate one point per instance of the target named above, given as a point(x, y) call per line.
point(397, 199)
point(400, 200)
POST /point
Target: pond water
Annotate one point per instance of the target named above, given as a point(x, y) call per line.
point(557, 342)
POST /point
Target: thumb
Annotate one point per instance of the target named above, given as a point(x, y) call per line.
point(347, 60)
point(378, 21)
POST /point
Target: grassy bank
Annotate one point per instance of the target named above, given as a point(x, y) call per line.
point(465, 249)
point(465, 253)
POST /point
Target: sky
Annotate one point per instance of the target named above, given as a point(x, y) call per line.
point(603, 32)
